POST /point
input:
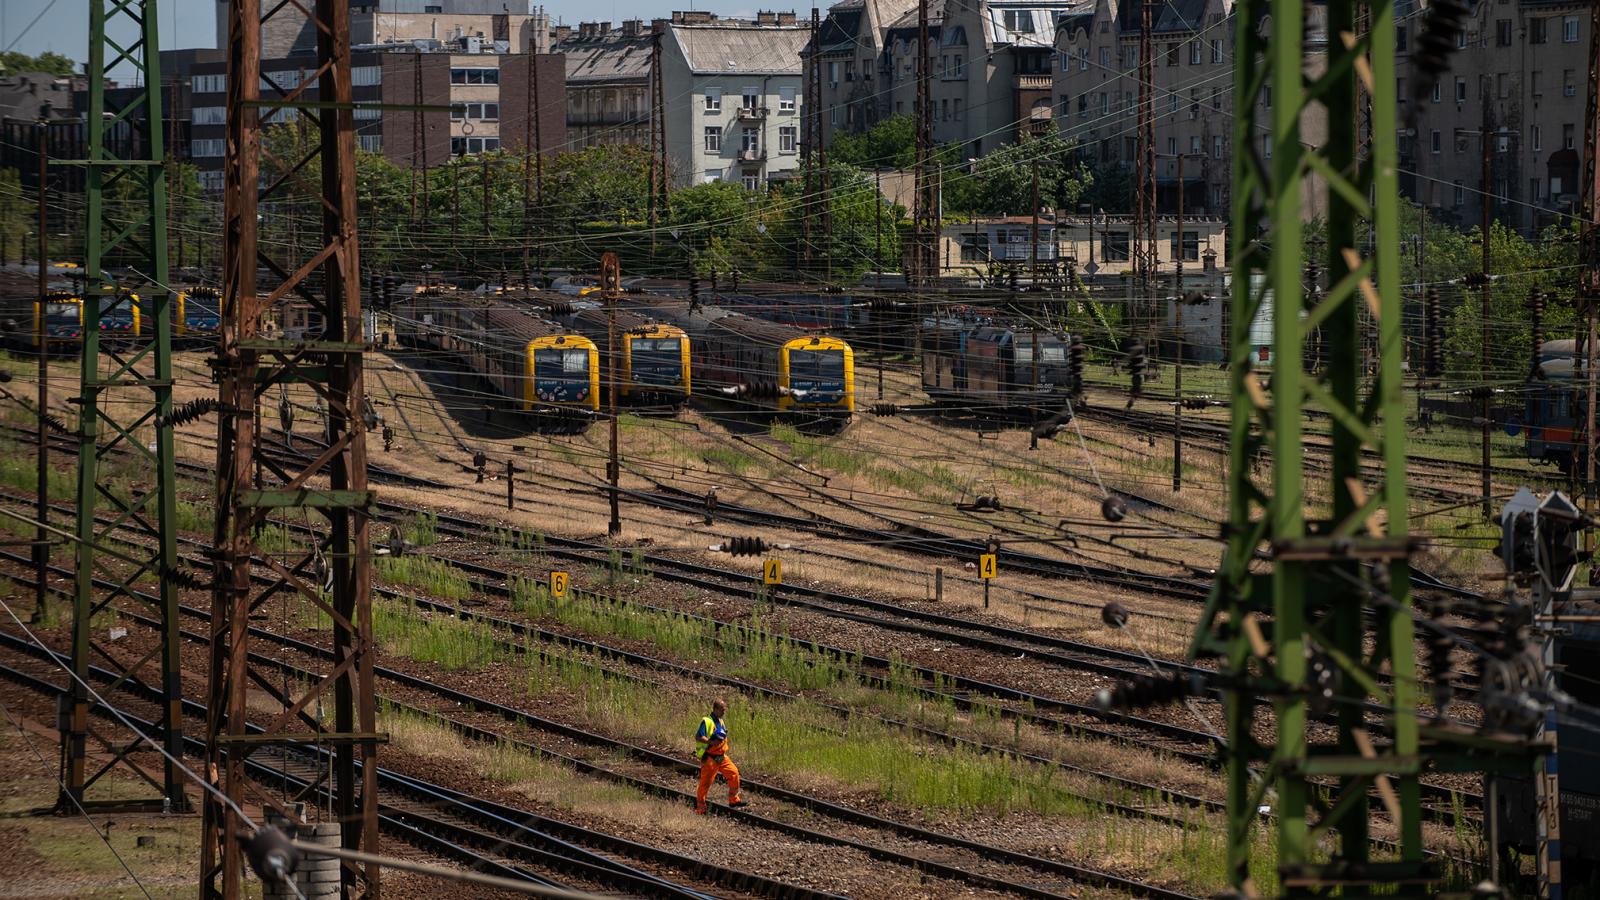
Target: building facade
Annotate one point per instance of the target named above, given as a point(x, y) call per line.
point(733, 99)
point(991, 64)
point(608, 81)
point(1519, 74)
point(1096, 83)
point(495, 26)
point(489, 95)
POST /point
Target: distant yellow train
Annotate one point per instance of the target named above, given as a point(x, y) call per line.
point(538, 366)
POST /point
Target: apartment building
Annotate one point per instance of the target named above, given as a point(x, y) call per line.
point(1518, 73)
point(608, 81)
point(489, 95)
point(991, 61)
point(1096, 83)
point(502, 26)
point(733, 98)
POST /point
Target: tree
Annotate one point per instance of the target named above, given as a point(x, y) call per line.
point(1006, 176)
point(890, 144)
point(50, 62)
point(1111, 190)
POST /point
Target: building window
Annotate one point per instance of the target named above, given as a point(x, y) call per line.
point(1066, 60)
point(1400, 37)
point(1194, 104)
point(833, 115)
point(1114, 247)
point(462, 146)
point(488, 112)
point(1216, 146)
point(1437, 139)
point(1438, 93)
point(1216, 50)
point(212, 181)
point(209, 115)
point(1266, 146)
point(1461, 90)
point(1196, 53)
point(750, 140)
point(788, 137)
point(1216, 98)
point(371, 143)
point(849, 70)
point(956, 109)
point(1172, 55)
point(751, 181)
point(1266, 96)
point(1569, 30)
point(1019, 21)
point(1172, 103)
point(713, 100)
point(713, 139)
point(1569, 136)
point(833, 74)
point(711, 176)
point(1191, 245)
point(1105, 57)
point(786, 99)
point(208, 84)
point(1083, 59)
point(365, 76)
point(209, 147)
point(944, 109)
point(1502, 33)
point(1568, 89)
point(1536, 138)
point(1460, 193)
point(1196, 146)
point(1538, 30)
point(960, 68)
point(474, 76)
point(1400, 90)
point(750, 98)
point(1534, 83)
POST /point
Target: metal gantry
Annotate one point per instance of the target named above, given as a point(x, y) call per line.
point(924, 261)
point(124, 438)
point(326, 574)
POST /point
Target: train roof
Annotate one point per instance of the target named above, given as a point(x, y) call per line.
point(764, 331)
point(511, 321)
point(587, 314)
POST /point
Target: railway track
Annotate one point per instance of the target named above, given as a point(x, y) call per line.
point(923, 850)
point(482, 835)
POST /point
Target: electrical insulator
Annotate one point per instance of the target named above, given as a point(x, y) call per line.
point(1536, 305)
point(1475, 279)
point(187, 412)
point(884, 409)
point(1114, 508)
point(1436, 40)
point(1434, 336)
point(1150, 690)
point(1136, 364)
point(1076, 352)
point(1114, 614)
point(745, 546)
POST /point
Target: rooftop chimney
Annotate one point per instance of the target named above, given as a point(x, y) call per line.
point(605, 29)
point(786, 18)
point(631, 27)
point(766, 18)
point(659, 26)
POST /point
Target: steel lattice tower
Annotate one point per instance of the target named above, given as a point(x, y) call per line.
point(326, 279)
point(925, 201)
point(1143, 239)
point(126, 391)
point(1294, 620)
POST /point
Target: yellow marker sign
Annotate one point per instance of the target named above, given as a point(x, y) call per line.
point(772, 571)
point(558, 585)
point(987, 566)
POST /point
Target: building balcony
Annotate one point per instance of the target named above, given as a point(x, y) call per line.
point(752, 155)
point(1033, 82)
point(752, 113)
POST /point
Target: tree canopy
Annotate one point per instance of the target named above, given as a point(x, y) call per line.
point(12, 62)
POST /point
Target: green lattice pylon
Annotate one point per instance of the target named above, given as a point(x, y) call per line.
point(125, 459)
point(1308, 557)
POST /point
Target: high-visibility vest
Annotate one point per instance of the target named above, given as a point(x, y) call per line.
point(709, 726)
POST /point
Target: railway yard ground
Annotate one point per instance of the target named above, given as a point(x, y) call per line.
point(903, 731)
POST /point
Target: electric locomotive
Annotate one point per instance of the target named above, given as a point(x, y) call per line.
point(653, 364)
point(1553, 407)
point(536, 365)
point(771, 368)
point(990, 368)
point(198, 315)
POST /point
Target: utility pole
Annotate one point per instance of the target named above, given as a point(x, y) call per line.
point(483, 183)
point(1144, 203)
point(882, 311)
point(611, 285)
point(925, 213)
point(332, 486)
point(1177, 358)
point(1589, 281)
point(419, 139)
point(127, 407)
point(528, 153)
point(808, 159)
point(656, 113)
point(1485, 297)
point(41, 546)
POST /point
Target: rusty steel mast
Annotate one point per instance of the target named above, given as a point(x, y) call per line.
point(330, 570)
point(925, 201)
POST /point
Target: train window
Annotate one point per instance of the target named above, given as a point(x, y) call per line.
point(816, 364)
point(61, 313)
point(567, 362)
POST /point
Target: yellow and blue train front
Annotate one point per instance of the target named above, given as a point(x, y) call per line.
point(199, 312)
point(563, 372)
point(656, 365)
point(60, 319)
point(817, 373)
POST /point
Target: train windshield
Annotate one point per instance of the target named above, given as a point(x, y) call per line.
point(117, 314)
point(566, 365)
point(1049, 352)
point(201, 312)
point(61, 314)
point(816, 376)
point(656, 360)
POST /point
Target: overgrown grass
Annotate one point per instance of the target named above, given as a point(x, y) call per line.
point(422, 531)
point(436, 576)
point(445, 641)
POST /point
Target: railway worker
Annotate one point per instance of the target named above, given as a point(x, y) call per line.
point(711, 748)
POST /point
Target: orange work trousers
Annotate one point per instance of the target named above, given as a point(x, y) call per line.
point(710, 768)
